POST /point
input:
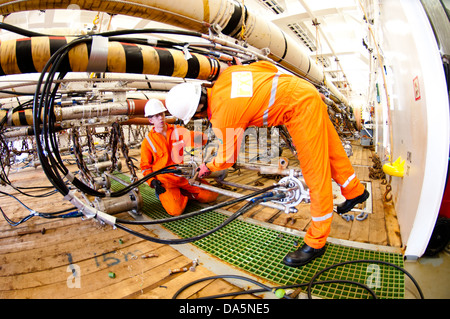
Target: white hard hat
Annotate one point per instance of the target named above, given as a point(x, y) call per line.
point(153, 106)
point(182, 100)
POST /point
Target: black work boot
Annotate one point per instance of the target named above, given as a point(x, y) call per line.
point(302, 256)
point(350, 203)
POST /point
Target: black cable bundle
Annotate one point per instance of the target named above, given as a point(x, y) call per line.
point(44, 128)
point(308, 284)
point(198, 212)
point(255, 201)
point(43, 106)
point(58, 214)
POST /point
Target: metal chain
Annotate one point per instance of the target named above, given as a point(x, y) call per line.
point(5, 159)
point(113, 146)
point(90, 142)
point(117, 136)
point(128, 160)
point(84, 171)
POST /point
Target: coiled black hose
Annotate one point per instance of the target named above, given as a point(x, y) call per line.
point(308, 285)
point(238, 213)
point(198, 212)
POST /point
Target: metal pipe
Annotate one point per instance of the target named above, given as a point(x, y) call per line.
point(91, 110)
point(101, 167)
point(270, 170)
point(237, 195)
point(247, 187)
point(129, 107)
point(26, 83)
point(232, 18)
point(216, 190)
point(113, 205)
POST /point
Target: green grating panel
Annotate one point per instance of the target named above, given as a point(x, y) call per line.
point(260, 251)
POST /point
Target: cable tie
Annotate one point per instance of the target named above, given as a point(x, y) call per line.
point(69, 196)
point(9, 114)
point(75, 201)
point(107, 218)
point(98, 57)
point(187, 54)
point(70, 177)
point(152, 41)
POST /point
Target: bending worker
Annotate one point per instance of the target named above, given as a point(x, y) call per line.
point(163, 146)
point(258, 95)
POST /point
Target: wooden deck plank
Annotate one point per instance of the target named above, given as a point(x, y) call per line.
point(38, 266)
point(377, 228)
point(170, 287)
point(217, 287)
point(299, 220)
point(135, 276)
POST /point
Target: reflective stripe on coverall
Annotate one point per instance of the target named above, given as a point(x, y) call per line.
point(257, 95)
point(158, 152)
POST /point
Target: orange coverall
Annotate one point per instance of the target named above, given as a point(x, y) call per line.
point(158, 152)
point(257, 95)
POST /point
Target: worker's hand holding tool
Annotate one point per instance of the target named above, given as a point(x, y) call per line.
point(159, 189)
point(203, 171)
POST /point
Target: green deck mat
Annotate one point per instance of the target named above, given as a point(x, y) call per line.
point(260, 251)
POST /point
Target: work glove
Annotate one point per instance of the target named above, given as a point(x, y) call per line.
point(159, 189)
point(203, 171)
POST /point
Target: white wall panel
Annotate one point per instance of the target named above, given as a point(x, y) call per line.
point(420, 124)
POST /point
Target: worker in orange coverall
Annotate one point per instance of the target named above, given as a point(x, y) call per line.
point(258, 95)
point(163, 146)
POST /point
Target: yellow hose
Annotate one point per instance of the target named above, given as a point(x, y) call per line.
point(122, 58)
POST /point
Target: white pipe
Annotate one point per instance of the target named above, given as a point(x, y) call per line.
point(237, 195)
point(92, 110)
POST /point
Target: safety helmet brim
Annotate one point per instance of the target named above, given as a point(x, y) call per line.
point(182, 100)
point(153, 107)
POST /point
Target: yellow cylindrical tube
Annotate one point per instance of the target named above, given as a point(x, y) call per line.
point(116, 58)
point(121, 58)
point(16, 118)
point(3, 114)
point(23, 117)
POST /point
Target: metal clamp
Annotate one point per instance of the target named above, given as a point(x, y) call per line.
point(295, 192)
point(98, 57)
point(188, 170)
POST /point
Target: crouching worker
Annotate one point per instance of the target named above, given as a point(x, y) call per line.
point(163, 146)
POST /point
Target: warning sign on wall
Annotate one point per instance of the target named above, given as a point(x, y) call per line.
point(416, 88)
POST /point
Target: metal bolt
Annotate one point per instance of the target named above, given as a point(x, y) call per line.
point(177, 270)
point(194, 264)
point(184, 269)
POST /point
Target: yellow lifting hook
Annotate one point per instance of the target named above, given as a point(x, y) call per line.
point(395, 169)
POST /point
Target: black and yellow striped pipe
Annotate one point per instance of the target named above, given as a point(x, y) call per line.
point(16, 118)
point(34, 53)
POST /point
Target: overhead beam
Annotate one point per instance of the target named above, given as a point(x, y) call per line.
point(286, 18)
point(324, 36)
